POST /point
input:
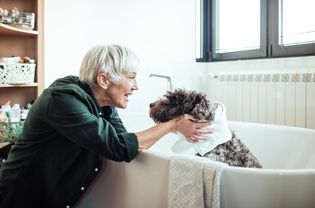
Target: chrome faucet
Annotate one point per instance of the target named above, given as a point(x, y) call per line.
point(168, 78)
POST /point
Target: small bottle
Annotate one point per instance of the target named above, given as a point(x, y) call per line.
point(24, 113)
point(6, 109)
point(15, 113)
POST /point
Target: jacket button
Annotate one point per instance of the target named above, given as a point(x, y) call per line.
point(82, 188)
point(67, 206)
point(96, 169)
point(100, 113)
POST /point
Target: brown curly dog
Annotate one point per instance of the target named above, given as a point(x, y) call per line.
point(179, 102)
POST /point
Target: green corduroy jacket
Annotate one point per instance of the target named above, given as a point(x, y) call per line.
point(66, 135)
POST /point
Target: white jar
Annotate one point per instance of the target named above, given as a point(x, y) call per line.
point(15, 113)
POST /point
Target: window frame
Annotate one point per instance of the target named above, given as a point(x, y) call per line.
point(205, 33)
point(269, 37)
point(276, 50)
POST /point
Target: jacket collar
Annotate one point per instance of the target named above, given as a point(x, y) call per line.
point(105, 110)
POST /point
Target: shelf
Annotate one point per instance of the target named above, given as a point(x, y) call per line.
point(18, 85)
point(9, 30)
point(17, 40)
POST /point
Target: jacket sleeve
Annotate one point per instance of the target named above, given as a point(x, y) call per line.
point(73, 119)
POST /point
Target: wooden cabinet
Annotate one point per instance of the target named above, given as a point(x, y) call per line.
point(19, 42)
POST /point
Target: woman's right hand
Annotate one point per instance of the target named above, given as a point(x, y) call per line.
point(192, 130)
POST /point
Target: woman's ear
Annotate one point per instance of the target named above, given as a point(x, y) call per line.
point(102, 80)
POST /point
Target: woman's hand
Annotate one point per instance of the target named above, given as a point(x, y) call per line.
point(192, 130)
point(186, 124)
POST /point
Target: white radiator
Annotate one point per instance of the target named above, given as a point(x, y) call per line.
point(284, 99)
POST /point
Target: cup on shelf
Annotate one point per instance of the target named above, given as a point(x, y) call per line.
point(11, 60)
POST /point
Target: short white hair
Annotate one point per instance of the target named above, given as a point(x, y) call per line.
point(113, 60)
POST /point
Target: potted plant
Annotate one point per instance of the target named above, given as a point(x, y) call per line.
point(10, 132)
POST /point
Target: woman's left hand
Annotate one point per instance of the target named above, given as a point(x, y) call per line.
point(192, 130)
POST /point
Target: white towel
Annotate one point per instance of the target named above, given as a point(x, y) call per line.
point(194, 182)
point(221, 134)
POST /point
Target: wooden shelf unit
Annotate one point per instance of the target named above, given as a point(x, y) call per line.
point(20, 42)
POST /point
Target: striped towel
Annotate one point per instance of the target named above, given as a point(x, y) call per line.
point(194, 182)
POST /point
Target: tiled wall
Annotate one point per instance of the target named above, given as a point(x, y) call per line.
point(284, 99)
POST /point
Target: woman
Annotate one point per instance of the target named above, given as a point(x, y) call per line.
point(72, 126)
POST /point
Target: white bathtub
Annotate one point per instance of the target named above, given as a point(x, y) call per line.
point(286, 180)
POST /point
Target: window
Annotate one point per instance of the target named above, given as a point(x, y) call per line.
point(231, 25)
point(245, 29)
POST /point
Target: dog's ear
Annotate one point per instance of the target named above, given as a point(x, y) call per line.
point(201, 106)
point(197, 112)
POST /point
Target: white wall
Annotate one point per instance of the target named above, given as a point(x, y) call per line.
point(162, 33)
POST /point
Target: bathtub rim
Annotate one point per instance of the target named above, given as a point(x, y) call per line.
point(271, 125)
point(269, 171)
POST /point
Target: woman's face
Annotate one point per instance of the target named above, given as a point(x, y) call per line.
point(117, 94)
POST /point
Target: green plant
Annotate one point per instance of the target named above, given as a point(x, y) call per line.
point(11, 132)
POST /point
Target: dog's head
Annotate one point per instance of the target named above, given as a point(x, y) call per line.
point(180, 102)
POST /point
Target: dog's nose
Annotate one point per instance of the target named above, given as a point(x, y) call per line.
point(151, 105)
